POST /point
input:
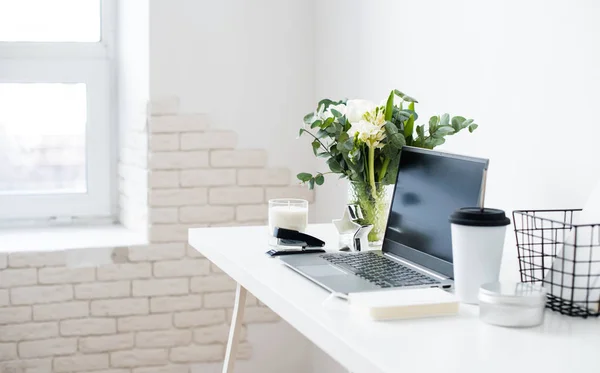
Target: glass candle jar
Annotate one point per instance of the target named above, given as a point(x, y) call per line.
point(288, 213)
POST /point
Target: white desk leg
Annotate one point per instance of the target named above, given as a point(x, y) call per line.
point(235, 329)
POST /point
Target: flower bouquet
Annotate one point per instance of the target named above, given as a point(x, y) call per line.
point(362, 142)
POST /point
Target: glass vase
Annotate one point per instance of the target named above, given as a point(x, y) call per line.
point(375, 206)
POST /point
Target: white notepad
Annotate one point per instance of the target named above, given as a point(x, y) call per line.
point(403, 303)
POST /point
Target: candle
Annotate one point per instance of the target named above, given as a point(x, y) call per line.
point(289, 214)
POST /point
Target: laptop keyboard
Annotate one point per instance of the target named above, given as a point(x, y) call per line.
point(379, 270)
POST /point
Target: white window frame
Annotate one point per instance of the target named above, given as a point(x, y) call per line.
point(71, 62)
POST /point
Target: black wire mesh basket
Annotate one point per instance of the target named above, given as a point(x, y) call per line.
point(563, 257)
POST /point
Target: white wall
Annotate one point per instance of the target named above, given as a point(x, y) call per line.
point(248, 64)
point(525, 70)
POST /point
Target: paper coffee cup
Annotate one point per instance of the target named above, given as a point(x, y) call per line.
point(477, 244)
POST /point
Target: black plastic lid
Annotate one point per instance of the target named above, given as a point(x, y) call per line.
point(476, 217)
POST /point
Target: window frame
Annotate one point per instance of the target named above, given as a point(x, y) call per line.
point(93, 64)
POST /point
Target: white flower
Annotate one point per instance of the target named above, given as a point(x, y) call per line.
point(367, 132)
point(356, 109)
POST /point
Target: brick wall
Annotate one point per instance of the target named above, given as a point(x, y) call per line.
point(162, 307)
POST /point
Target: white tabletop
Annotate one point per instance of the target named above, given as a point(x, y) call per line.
point(460, 344)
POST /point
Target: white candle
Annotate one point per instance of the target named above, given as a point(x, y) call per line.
point(289, 217)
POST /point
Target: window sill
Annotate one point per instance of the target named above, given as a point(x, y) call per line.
point(16, 240)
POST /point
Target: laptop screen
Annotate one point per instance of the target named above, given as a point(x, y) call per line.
point(431, 185)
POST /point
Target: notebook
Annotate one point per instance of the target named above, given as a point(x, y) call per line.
point(403, 303)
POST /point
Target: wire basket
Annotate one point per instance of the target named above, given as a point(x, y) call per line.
point(563, 257)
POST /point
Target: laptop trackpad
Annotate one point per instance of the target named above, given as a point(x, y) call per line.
point(321, 270)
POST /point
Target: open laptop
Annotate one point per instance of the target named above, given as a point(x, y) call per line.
point(417, 248)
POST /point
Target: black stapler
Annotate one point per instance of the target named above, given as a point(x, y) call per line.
point(293, 242)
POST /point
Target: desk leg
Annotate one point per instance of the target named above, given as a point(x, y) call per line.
point(235, 329)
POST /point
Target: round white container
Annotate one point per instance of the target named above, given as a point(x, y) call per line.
point(512, 304)
point(288, 213)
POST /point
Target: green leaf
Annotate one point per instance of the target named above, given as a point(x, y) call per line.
point(473, 127)
point(319, 179)
point(421, 131)
point(411, 106)
point(466, 123)
point(348, 144)
point(443, 131)
point(321, 133)
point(445, 120)
point(433, 124)
point(301, 132)
point(304, 176)
point(457, 122)
point(409, 99)
point(389, 107)
point(334, 165)
point(315, 146)
point(323, 155)
point(409, 126)
point(308, 118)
point(311, 183)
point(316, 123)
point(336, 114)
point(395, 138)
point(398, 93)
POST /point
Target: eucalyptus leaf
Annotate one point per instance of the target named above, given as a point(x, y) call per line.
point(457, 122)
point(321, 133)
point(336, 114)
point(395, 138)
point(445, 119)
point(323, 155)
point(316, 123)
point(311, 183)
point(334, 165)
point(315, 146)
point(443, 131)
point(319, 179)
point(301, 131)
point(309, 118)
point(421, 131)
point(473, 127)
point(304, 176)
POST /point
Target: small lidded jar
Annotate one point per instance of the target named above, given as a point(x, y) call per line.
point(512, 304)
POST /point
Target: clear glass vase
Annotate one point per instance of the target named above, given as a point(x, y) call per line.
point(375, 206)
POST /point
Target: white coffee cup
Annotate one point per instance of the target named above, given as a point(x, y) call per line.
point(477, 245)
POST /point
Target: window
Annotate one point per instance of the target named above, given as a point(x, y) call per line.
point(56, 84)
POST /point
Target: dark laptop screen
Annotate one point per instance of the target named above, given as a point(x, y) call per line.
point(430, 186)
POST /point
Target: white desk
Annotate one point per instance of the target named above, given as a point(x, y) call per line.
point(460, 344)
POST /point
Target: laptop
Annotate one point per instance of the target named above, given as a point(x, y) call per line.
point(417, 248)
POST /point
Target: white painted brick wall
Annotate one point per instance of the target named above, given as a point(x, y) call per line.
point(238, 158)
point(163, 306)
point(207, 177)
point(62, 275)
point(17, 277)
point(48, 347)
point(13, 315)
point(120, 307)
point(88, 326)
point(236, 195)
point(182, 268)
point(81, 363)
point(41, 294)
point(204, 353)
point(178, 197)
point(206, 214)
point(113, 289)
point(171, 286)
point(178, 160)
point(60, 311)
point(208, 140)
point(29, 331)
point(266, 176)
point(138, 323)
point(106, 343)
point(157, 252)
point(138, 357)
point(163, 338)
